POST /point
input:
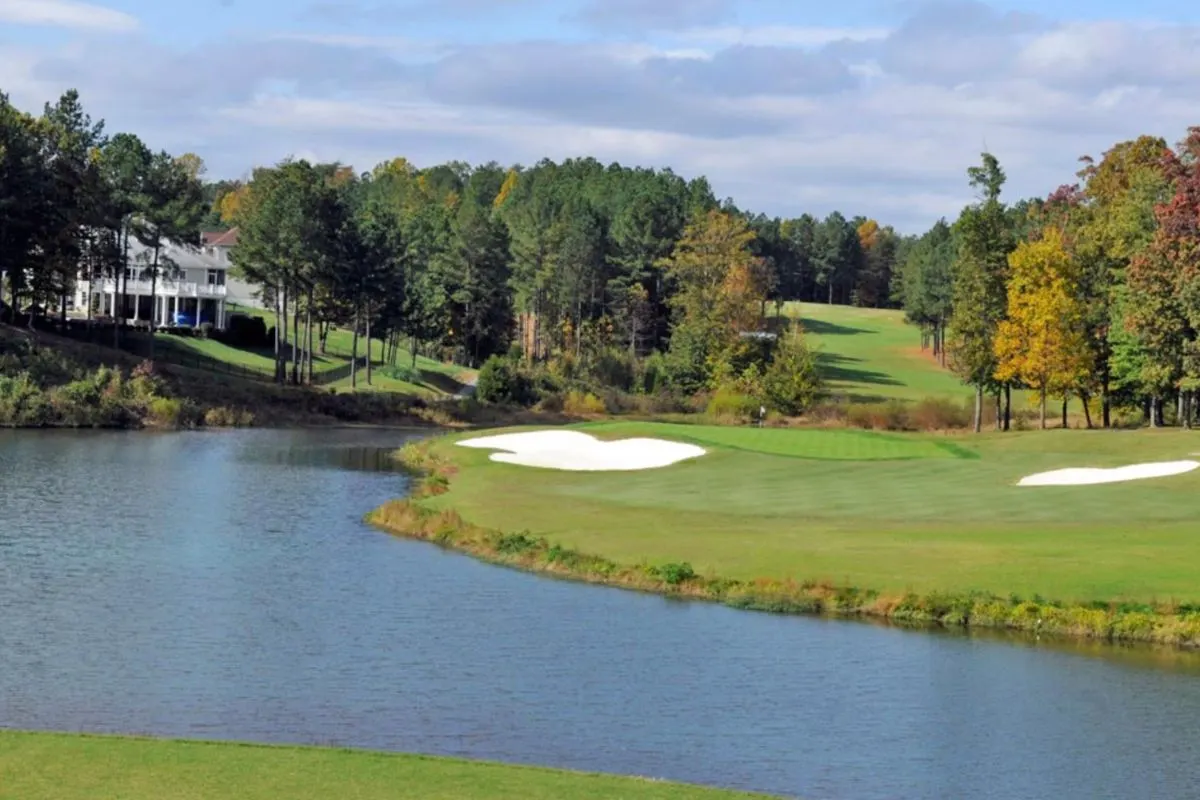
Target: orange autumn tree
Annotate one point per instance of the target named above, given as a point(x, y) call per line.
point(1042, 342)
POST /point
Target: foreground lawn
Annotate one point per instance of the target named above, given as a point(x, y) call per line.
point(886, 512)
point(40, 766)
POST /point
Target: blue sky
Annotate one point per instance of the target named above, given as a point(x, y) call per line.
point(866, 106)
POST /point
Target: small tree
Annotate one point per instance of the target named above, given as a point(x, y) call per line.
point(792, 383)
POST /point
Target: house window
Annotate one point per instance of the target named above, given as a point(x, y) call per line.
point(216, 277)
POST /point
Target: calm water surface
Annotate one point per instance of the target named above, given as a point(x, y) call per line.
point(223, 585)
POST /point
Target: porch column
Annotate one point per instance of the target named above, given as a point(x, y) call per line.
point(221, 314)
point(137, 307)
point(174, 308)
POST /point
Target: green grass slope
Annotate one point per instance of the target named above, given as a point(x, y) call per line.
point(430, 378)
point(873, 354)
point(42, 766)
point(886, 512)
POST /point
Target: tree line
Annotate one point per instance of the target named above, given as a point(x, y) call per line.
point(1091, 293)
point(464, 262)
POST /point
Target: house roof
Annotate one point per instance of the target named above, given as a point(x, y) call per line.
point(182, 256)
point(220, 238)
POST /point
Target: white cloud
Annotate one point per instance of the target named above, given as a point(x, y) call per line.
point(780, 35)
point(65, 14)
point(784, 119)
point(395, 45)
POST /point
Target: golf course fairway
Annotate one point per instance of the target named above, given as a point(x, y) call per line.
point(55, 766)
point(910, 527)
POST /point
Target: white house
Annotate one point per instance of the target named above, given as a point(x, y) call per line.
point(191, 288)
point(218, 245)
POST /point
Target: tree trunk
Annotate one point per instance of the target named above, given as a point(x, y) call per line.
point(1007, 407)
point(278, 339)
point(831, 295)
point(999, 409)
point(282, 326)
point(308, 325)
point(1179, 409)
point(1153, 412)
point(1087, 412)
point(297, 349)
point(1043, 397)
point(354, 354)
point(1064, 412)
point(414, 352)
point(368, 336)
point(1105, 399)
point(154, 297)
point(978, 408)
point(120, 285)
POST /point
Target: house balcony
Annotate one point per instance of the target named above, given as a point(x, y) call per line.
point(164, 288)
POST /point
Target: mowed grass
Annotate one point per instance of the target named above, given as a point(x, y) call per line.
point(432, 378)
point(873, 354)
point(752, 507)
point(43, 766)
point(839, 445)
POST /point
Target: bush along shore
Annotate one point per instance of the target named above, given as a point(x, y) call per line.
point(1170, 624)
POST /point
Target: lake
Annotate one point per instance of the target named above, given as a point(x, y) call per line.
point(222, 585)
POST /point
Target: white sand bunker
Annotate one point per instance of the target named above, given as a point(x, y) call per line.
point(579, 452)
point(1093, 475)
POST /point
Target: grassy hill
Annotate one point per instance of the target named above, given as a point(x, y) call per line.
point(872, 355)
point(430, 378)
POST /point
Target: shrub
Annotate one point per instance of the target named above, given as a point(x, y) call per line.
point(500, 381)
point(653, 377)
point(552, 402)
point(889, 416)
point(937, 414)
point(226, 417)
point(169, 412)
point(402, 372)
point(614, 369)
point(674, 574)
point(22, 402)
point(583, 403)
point(205, 330)
point(663, 402)
point(729, 404)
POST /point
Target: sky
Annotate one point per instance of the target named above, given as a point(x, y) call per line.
point(872, 107)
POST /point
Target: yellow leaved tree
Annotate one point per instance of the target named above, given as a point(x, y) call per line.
point(1042, 342)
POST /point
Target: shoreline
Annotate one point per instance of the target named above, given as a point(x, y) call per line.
point(1104, 622)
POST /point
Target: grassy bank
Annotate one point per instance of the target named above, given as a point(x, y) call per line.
point(50, 381)
point(420, 376)
point(929, 529)
point(44, 766)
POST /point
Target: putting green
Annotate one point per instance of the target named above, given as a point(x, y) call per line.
point(906, 515)
point(838, 445)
